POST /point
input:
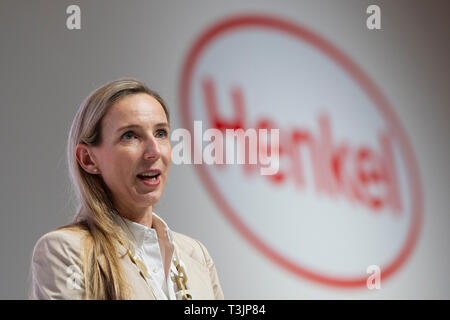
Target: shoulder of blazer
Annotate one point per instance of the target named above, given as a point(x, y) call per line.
point(57, 259)
point(64, 242)
point(191, 247)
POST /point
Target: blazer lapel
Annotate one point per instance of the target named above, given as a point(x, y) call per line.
point(198, 281)
point(135, 273)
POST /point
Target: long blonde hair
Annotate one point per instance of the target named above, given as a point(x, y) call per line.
point(95, 212)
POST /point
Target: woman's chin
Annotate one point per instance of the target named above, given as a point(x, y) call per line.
point(148, 199)
point(148, 196)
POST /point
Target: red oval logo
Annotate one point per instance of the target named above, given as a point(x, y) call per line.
point(348, 193)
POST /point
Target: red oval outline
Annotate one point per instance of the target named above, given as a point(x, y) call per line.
point(300, 32)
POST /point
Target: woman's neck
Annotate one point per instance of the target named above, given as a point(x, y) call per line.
point(142, 216)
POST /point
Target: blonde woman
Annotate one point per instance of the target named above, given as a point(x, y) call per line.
point(119, 155)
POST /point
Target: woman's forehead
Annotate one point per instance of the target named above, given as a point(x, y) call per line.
point(138, 109)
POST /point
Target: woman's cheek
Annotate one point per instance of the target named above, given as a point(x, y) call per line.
point(169, 157)
point(168, 153)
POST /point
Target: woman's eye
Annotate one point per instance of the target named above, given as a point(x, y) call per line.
point(162, 133)
point(128, 135)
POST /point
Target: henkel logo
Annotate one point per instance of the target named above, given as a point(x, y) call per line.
point(347, 194)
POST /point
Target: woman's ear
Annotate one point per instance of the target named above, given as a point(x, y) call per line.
point(86, 158)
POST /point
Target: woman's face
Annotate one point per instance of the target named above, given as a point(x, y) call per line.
point(135, 140)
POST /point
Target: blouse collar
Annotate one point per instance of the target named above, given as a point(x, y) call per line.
point(141, 233)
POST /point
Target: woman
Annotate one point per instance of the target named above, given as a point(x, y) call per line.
point(119, 155)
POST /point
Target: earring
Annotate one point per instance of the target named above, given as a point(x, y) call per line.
point(95, 169)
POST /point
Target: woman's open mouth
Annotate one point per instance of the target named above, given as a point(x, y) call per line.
point(151, 178)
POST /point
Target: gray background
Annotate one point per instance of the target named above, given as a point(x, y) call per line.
point(47, 70)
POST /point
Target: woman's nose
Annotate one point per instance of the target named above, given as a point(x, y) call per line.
point(152, 150)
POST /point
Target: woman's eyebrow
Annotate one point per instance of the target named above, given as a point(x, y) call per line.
point(162, 124)
point(131, 126)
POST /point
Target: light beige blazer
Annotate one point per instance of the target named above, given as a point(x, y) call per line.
point(57, 268)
